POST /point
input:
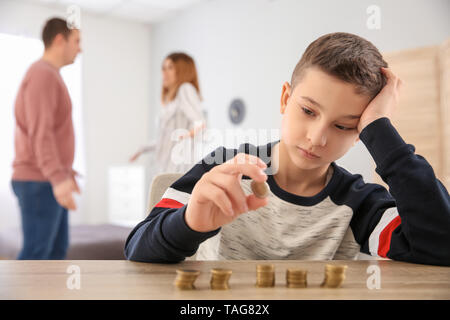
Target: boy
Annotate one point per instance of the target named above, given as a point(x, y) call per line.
point(340, 92)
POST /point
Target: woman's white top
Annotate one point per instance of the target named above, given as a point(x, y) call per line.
point(176, 118)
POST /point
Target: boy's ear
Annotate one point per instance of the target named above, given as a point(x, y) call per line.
point(356, 141)
point(285, 94)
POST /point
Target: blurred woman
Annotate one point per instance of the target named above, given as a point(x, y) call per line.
point(180, 118)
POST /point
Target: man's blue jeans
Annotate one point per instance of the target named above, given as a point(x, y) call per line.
point(45, 222)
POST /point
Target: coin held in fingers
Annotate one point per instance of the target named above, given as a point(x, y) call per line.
point(260, 189)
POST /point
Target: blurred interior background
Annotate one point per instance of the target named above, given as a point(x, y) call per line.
point(242, 49)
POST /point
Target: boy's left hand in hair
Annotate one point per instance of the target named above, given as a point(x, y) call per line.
point(384, 104)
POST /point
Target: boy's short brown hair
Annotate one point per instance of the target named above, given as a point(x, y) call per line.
point(347, 57)
point(52, 28)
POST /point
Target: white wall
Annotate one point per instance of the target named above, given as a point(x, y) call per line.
point(115, 87)
point(249, 48)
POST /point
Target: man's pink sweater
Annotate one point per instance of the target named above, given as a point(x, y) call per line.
point(44, 136)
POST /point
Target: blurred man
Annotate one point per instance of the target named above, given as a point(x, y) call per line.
point(43, 179)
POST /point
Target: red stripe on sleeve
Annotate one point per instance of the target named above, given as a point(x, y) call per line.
point(169, 203)
point(384, 242)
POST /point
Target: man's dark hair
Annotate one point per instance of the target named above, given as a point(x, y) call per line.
point(52, 28)
point(347, 57)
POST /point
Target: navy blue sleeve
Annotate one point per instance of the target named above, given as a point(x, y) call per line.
point(164, 236)
point(411, 222)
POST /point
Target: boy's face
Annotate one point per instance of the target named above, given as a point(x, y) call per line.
point(320, 116)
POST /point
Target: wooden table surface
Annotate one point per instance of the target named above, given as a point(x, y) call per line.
point(120, 279)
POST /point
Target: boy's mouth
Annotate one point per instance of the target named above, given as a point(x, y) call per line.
point(307, 154)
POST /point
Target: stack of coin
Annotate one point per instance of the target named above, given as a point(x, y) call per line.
point(185, 279)
point(265, 275)
point(296, 278)
point(219, 279)
point(334, 276)
point(260, 189)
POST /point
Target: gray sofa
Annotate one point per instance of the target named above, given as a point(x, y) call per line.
point(87, 242)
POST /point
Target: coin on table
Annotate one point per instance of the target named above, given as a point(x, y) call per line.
point(185, 279)
point(219, 278)
point(296, 278)
point(334, 276)
point(260, 189)
point(265, 275)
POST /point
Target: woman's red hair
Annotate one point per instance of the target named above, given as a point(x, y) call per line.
point(185, 71)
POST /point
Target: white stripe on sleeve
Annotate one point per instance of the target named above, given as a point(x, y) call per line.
point(389, 215)
point(182, 197)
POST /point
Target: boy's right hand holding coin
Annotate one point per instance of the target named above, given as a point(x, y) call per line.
point(218, 198)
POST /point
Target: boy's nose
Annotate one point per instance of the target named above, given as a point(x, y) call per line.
point(318, 136)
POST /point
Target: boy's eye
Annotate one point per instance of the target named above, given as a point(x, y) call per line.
point(308, 112)
point(343, 128)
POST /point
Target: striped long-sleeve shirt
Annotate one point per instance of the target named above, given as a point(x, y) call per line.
point(410, 223)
